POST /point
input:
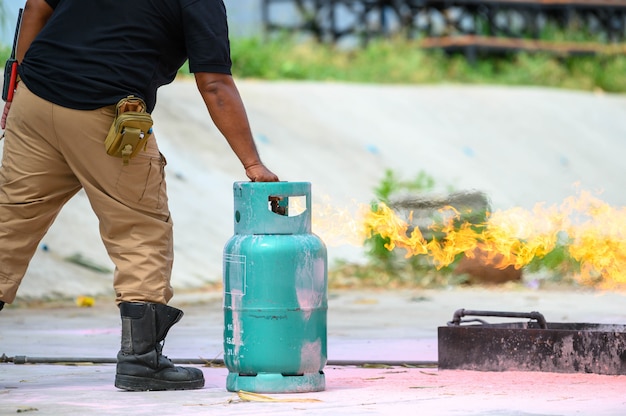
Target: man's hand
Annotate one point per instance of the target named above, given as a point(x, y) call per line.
point(259, 173)
point(5, 113)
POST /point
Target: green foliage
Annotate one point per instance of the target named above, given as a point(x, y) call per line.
point(401, 61)
point(390, 184)
point(184, 70)
point(279, 58)
point(5, 52)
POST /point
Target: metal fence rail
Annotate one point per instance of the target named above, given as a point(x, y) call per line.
point(332, 21)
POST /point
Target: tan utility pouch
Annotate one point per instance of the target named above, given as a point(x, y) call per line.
point(130, 130)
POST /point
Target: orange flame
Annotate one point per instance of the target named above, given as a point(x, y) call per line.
point(598, 241)
point(594, 231)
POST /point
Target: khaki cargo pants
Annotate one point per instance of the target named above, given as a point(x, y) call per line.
point(50, 153)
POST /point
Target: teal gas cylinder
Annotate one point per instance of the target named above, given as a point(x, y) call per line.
point(275, 291)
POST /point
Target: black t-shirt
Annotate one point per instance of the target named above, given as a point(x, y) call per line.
point(92, 53)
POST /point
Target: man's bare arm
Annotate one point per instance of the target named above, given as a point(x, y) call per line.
point(226, 108)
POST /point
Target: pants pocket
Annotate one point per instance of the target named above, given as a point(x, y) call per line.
point(141, 183)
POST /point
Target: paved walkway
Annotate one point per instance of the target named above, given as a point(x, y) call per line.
point(363, 327)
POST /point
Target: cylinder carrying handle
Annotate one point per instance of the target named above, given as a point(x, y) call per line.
point(263, 208)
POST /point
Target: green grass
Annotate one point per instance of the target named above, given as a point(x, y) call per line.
point(402, 62)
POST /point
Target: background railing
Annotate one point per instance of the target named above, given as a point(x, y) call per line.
point(333, 21)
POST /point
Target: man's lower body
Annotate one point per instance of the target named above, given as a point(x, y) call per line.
point(50, 153)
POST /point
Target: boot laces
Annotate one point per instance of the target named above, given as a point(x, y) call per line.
point(159, 349)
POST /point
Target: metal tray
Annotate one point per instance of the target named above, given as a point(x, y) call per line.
point(536, 345)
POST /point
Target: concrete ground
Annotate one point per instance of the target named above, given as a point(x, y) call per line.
point(364, 327)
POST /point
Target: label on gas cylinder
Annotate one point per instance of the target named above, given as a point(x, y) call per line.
point(233, 339)
point(235, 274)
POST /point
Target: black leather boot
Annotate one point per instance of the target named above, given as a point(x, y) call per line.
point(140, 364)
point(1, 305)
